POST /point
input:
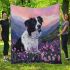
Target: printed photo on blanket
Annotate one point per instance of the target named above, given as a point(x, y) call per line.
point(34, 33)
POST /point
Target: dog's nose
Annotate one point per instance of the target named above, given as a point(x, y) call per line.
point(39, 26)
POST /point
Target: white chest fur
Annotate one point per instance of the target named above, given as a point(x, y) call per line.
point(30, 42)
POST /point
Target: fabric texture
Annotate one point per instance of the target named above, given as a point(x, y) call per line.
point(48, 43)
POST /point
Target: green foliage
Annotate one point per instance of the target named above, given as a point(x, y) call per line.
point(31, 4)
point(0, 8)
point(36, 3)
point(5, 5)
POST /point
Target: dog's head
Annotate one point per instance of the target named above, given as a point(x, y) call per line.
point(34, 24)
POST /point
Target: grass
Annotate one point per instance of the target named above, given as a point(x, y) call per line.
point(34, 66)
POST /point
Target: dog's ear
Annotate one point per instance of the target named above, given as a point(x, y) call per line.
point(30, 25)
point(26, 23)
point(40, 19)
point(29, 21)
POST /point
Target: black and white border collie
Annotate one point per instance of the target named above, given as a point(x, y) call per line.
point(29, 39)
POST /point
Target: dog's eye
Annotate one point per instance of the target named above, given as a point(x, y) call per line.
point(40, 20)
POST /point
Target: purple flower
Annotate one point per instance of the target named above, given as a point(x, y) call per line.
point(51, 54)
point(51, 46)
point(24, 56)
point(55, 55)
point(58, 57)
point(45, 59)
point(49, 57)
point(53, 58)
point(52, 50)
point(42, 55)
point(44, 48)
point(33, 58)
point(18, 55)
point(47, 45)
